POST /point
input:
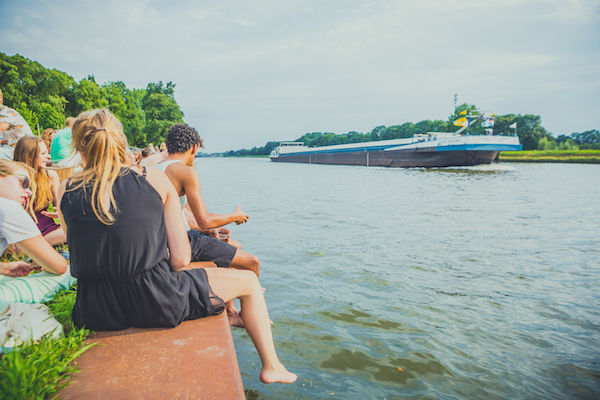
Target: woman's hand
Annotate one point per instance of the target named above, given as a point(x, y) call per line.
point(15, 268)
point(51, 214)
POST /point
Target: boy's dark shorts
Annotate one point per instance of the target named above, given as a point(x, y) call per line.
point(207, 248)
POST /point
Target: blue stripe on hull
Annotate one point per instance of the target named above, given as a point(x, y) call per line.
point(481, 147)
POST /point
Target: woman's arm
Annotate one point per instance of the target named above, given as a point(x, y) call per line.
point(43, 254)
point(56, 195)
point(61, 193)
point(55, 187)
point(180, 251)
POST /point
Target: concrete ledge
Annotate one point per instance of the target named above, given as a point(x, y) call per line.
point(195, 360)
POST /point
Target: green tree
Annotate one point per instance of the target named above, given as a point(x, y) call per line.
point(529, 128)
point(161, 111)
point(127, 106)
point(29, 116)
point(568, 144)
point(46, 96)
point(376, 132)
point(86, 95)
point(546, 143)
point(49, 117)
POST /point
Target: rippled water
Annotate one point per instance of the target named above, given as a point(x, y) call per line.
point(478, 282)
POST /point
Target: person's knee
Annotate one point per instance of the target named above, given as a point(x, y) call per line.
point(248, 261)
point(255, 264)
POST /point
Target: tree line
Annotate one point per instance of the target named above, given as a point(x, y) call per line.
point(530, 131)
point(45, 97)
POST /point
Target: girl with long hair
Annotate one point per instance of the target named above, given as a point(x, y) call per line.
point(131, 254)
point(17, 227)
point(32, 151)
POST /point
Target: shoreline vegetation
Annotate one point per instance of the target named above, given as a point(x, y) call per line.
point(552, 156)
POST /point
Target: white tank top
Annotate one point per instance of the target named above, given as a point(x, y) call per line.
point(163, 165)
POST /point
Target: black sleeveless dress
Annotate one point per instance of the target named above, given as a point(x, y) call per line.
point(123, 274)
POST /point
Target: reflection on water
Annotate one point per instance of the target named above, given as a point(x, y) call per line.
point(475, 282)
point(489, 169)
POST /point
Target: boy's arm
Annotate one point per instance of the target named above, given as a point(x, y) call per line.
point(191, 185)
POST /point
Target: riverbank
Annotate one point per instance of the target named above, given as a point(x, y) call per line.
point(552, 156)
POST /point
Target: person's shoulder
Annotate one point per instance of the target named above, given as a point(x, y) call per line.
point(180, 166)
point(17, 225)
point(158, 180)
point(8, 205)
point(13, 210)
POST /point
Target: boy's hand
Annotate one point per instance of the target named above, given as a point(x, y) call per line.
point(240, 215)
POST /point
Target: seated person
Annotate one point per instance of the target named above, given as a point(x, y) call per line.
point(61, 151)
point(16, 227)
point(12, 127)
point(131, 254)
point(183, 143)
point(32, 151)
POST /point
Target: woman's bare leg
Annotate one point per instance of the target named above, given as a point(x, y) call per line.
point(229, 284)
point(56, 237)
point(241, 260)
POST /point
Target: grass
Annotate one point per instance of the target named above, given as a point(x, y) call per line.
point(40, 370)
point(562, 156)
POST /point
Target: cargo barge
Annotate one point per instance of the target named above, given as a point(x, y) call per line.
point(434, 149)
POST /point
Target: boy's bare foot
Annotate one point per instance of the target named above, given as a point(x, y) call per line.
point(277, 374)
point(235, 320)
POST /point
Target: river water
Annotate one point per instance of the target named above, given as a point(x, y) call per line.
point(454, 283)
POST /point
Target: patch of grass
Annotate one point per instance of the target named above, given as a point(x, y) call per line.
point(40, 370)
point(62, 305)
point(563, 156)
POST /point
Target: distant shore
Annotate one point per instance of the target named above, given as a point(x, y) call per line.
point(552, 156)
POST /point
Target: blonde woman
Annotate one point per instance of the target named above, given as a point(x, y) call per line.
point(131, 253)
point(17, 227)
point(32, 151)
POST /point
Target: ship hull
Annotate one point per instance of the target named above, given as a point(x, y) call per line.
point(422, 157)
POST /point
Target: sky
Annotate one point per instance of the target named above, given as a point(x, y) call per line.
point(247, 72)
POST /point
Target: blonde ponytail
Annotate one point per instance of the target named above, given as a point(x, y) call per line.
point(99, 138)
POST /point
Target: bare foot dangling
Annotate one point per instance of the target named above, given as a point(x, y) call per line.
point(277, 374)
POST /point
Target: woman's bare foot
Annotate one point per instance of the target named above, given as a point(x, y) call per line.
point(277, 374)
point(235, 320)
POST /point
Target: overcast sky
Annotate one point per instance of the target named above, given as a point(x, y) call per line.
point(252, 71)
